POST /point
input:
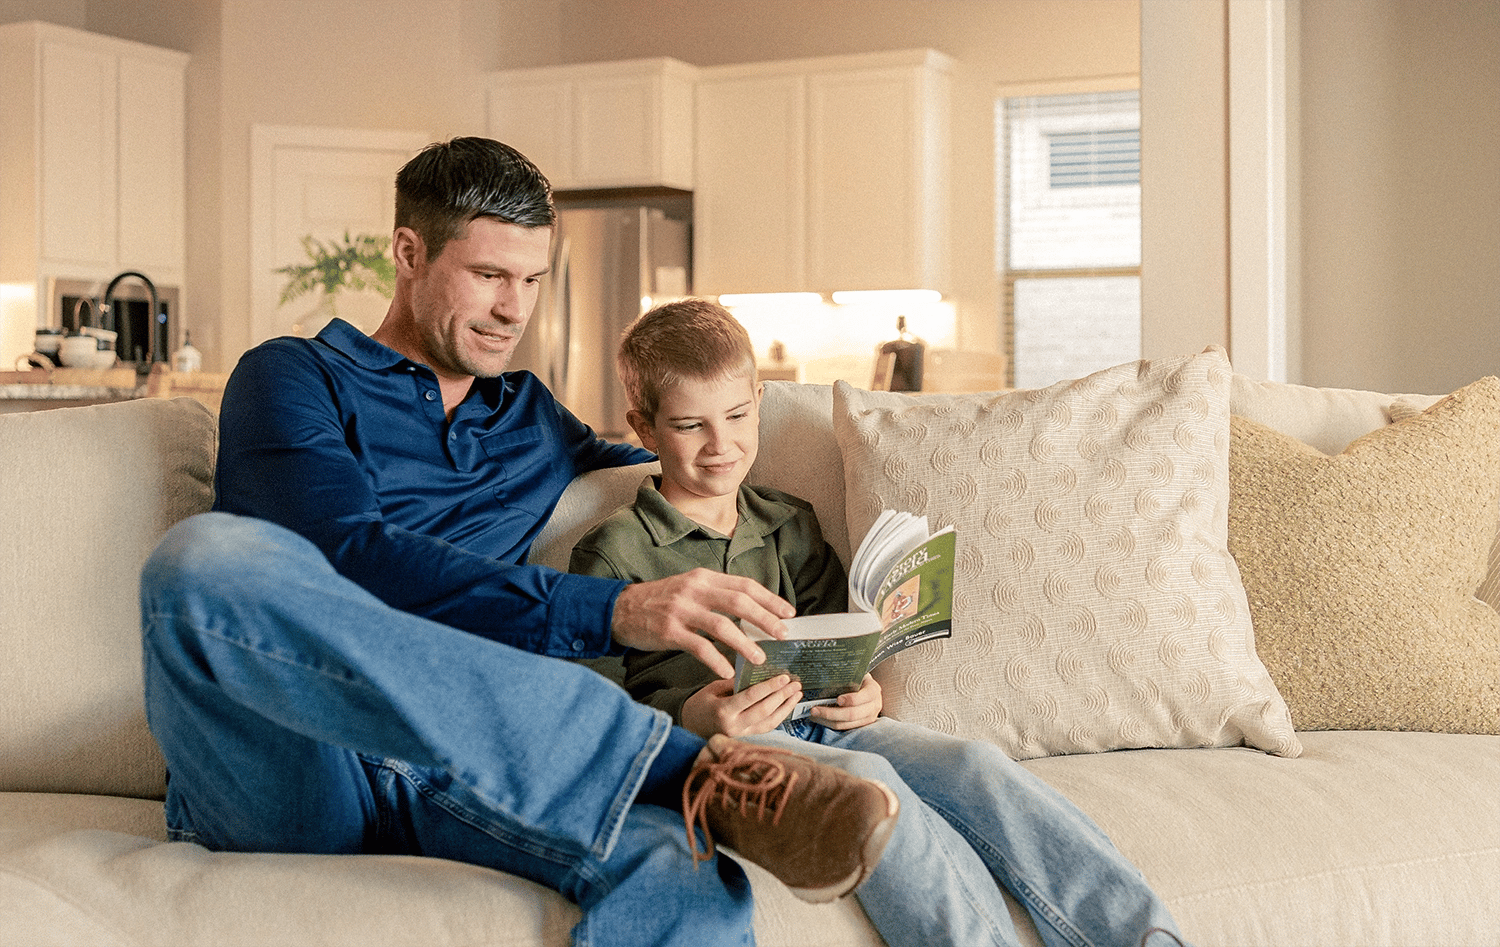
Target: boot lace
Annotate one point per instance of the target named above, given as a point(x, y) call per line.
point(754, 781)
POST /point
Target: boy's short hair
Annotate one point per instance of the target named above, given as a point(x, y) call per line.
point(687, 338)
point(450, 183)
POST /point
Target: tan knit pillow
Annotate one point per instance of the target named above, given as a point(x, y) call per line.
point(1406, 406)
point(1361, 568)
point(1096, 606)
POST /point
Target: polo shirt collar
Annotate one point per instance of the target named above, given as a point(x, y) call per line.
point(360, 348)
point(369, 354)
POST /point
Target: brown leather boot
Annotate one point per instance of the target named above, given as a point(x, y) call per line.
point(818, 829)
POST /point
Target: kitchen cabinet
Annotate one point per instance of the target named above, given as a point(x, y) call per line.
point(823, 174)
point(599, 125)
point(92, 157)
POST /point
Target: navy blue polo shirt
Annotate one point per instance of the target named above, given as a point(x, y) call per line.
point(345, 442)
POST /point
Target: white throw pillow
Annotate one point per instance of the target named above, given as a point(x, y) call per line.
point(1096, 606)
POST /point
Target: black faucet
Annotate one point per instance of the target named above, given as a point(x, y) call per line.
point(154, 352)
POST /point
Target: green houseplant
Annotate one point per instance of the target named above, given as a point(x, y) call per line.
point(357, 263)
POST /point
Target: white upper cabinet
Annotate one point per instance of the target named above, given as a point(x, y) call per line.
point(599, 125)
point(92, 176)
point(749, 205)
point(823, 174)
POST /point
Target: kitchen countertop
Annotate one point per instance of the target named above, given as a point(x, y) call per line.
point(35, 390)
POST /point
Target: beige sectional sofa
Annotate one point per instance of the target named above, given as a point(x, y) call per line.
point(1355, 836)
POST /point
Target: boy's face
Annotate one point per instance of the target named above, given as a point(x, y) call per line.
point(706, 434)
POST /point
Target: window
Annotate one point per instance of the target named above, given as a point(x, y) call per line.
point(1069, 220)
point(1094, 158)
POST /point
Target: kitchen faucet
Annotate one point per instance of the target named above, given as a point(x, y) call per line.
point(154, 352)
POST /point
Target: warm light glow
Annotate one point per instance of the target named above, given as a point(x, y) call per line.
point(825, 342)
point(18, 322)
point(892, 297)
point(756, 300)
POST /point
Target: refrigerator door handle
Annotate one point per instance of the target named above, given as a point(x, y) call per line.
point(562, 319)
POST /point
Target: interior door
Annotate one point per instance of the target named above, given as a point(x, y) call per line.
point(318, 182)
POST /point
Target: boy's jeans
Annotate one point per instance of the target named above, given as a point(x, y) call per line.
point(298, 713)
point(971, 816)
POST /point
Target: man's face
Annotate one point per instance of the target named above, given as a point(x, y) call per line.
point(472, 302)
point(707, 434)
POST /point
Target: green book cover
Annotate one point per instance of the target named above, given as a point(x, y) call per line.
point(901, 582)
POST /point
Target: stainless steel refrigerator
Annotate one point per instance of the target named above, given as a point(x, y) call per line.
point(614, 254)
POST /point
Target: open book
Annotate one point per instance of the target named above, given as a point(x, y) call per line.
point(900, 593)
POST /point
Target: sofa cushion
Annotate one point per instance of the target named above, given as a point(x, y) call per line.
point(102, 888)
point(1096, 604)
point(1367, 838)
point(798, 454)
point(91, 491)
point(1361, 568)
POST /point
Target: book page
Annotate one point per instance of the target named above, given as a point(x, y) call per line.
point(893, 535)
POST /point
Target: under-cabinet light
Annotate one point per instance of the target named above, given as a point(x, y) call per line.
point(769, 299)
point(899, 297)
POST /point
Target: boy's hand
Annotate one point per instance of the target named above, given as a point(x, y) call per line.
point(852, 710)
point(683, 612)
point(759, 708)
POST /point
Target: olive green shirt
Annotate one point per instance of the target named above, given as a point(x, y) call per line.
point(776, 542)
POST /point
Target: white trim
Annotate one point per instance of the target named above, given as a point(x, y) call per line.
point(1258, 198)
point(1122, 82)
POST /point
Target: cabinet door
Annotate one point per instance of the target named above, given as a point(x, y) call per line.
point(535, 116)
point(600, 125)
point(749, 206)
point(875, 205)
point(78, 191)
point(151, 158)
point(616, 131)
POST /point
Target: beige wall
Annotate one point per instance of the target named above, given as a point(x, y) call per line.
point(373, 64)
point(1400, 130)
point(1184, 175)
point(996, 42)
point(1400, 193)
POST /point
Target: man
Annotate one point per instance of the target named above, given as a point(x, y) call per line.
point(347, 656)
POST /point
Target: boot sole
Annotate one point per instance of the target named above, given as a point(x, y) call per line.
point(869, 856)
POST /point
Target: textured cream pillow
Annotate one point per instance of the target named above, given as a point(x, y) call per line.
point(1361, 568)
point(1097, 606)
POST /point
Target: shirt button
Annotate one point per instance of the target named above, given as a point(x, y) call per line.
point(578, 646)
point(452, 436)
point(429, 395)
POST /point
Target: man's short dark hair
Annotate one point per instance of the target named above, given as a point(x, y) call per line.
point(448, 184)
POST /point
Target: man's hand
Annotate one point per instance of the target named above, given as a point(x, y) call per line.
point(853, 710)
point(759, 708)
point(683, 612)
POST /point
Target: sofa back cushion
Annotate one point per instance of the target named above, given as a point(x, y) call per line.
point(89, 492)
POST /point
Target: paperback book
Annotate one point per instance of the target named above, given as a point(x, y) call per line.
point(900, 595)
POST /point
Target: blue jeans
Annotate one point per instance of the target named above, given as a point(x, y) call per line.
point(972, 817)
point(299, 713)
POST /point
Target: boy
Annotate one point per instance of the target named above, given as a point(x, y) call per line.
point(971, 817)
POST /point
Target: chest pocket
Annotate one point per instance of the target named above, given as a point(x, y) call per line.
point(526, 470)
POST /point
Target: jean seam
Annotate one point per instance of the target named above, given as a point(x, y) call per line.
point(1017, 885)
point(480, 822)
point(625, 798)
point(997, 934)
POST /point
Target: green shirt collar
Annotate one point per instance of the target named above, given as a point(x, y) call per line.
point(760, 516)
